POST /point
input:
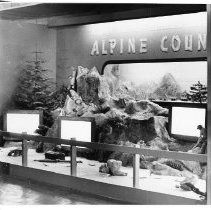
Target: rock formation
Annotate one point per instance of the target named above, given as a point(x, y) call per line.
point(122, 120)
point(113, 168)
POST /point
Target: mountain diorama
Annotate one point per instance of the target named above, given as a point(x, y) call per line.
point(123, 120)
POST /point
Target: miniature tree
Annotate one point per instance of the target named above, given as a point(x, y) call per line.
point(184, 96)
point(36, 91)
point(198, 92)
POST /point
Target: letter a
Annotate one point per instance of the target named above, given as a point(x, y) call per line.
point(95, 48)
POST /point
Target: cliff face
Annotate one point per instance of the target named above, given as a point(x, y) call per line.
point(168, 87)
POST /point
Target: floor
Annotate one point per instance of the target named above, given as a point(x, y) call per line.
point(90, 170)
point(16, 192)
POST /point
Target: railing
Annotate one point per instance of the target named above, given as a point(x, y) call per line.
point(136, 151)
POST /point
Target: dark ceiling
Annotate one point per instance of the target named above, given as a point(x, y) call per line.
point(46, 10)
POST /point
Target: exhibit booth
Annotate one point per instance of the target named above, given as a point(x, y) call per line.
point(148, 62)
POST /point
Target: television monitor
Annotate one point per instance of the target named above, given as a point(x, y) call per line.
point(81, 128)
point(184, 121)
point(19, 121)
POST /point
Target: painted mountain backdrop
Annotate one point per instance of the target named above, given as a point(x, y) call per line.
point(168, 87)
point(161, 81)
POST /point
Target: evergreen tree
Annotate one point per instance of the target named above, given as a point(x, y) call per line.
point(198, 92)
point(35, 88)
point(37, 91)
point(184, 96)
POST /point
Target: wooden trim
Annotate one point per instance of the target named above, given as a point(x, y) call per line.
point(111, 191)
point(112, 147)
point(209, 105)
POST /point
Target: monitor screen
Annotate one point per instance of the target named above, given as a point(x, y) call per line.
point(79, 129)
point(184, 120)
point(19, 122)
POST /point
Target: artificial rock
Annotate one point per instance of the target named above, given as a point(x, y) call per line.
point(119, 117)
point(113, 168)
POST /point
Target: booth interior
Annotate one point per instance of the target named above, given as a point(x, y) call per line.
point(134, 83)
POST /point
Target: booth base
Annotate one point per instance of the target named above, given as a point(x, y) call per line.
point(110, 191)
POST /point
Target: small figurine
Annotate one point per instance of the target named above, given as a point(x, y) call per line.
point(202, 140)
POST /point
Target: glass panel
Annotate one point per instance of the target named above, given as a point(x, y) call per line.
point(171, 85)
point(159, 81)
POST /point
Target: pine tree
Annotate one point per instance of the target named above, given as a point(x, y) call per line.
point(198, 92)
point(184, 96)
point(35, 87)
point(37, 91)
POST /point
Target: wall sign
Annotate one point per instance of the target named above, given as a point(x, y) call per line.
point(133, 40)
point(167, 43)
